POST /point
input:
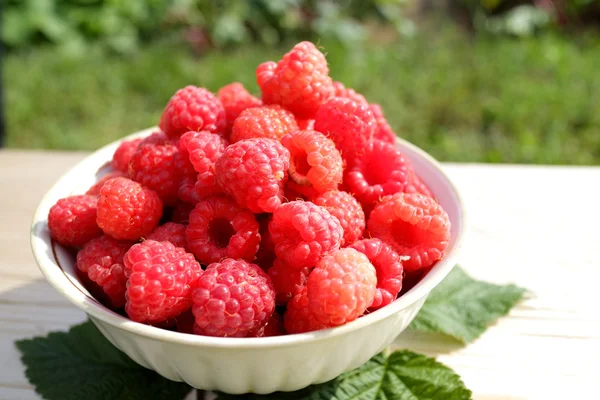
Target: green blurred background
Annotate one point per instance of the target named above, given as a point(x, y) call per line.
point(467, 80)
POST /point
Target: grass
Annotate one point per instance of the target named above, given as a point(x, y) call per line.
point(533, 100)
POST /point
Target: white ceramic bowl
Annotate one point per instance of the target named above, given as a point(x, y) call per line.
point(244, 365)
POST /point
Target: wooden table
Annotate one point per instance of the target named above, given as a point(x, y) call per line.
point(534, 226)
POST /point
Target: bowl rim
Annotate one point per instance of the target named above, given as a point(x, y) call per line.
point(63, 284)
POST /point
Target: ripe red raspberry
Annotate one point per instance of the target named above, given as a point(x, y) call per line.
point(303, 232)
point(203, 150)
point(160, 277)
point(416, 185)
point(384, 131)
point(101, 260)
point(127, 210)
point(265, 256)
point(273, 327)
point(388, 266)
point(270, 122)
point(220, 228)
point(160, 167)
point(315, 163)
point(414, 225)
point(300, 82)
point(122, 156)
point(350, 124)
point(297, 317)
point(193, 109)
point(253, 172)
point(95, 189)
point(72, 220)
point(286, 279)
point(170, 232)
point(181, 213)
point(232, 298)
point(382, 170)
point(341, 91)
point(235, 99)
point(347, 210)
point(341, 287)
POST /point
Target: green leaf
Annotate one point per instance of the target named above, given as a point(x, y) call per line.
point(403, 375)
point(463, 308)
point(83, 364)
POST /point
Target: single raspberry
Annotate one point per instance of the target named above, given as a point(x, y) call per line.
point(265, 256)
point(193, 109)
point(382, 170)
point(286, 279)
point(72, 220)
point(203, 150)
point(254, 172)
point(122, 156)
point(314, 161)
point(160, 277)
point(181, 213)
point(303, 232)
point(414, 225)
point(341, 91)
point(388, 266)
point(300, 82)
point(235, 99)
point(416, 185)
point(127, 210)
point(220, 228)
point(101, 260)
point(350, 124)
point(95, 189)
point(170, 232)
point(160, 167)
point(297, 317)
point(270, 122)
point(341, 287)
point(305, 124)
point(347, 210)
point(384, 131)
point(273, 327)
point(232, 298)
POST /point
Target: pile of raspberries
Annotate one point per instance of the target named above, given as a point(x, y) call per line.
point(251, 217)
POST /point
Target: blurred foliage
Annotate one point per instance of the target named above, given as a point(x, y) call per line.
point(487, 98)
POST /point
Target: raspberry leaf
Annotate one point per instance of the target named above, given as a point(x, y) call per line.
point(403, 375)
point(463, 308)
point(83, 364)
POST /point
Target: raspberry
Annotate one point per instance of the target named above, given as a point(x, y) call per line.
point(220, 228)
point(297, 317)
point(382, 170)
point(416, 185)
point(265, 256)
point(254, 172)
point(303, 232)
point(273, 327)
point(160, 167)
point(270, 122)
point(350, 124)
point(72, 220)
point(192, 109)
point(232, 298)
point(341, 91)
point(235, 99)
point(347, 210)
point(122, 156)
point(101, 260)
point(286, 279)
point(383, 131)
point(388, 266)
point(160, 278)
point(341, 287)
point(414, 225)
point(203, 150)
point(170, 232)
point(300, 82)
point(181, 213)
point(314, 161)
point(95, 189)
point(127, 210)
